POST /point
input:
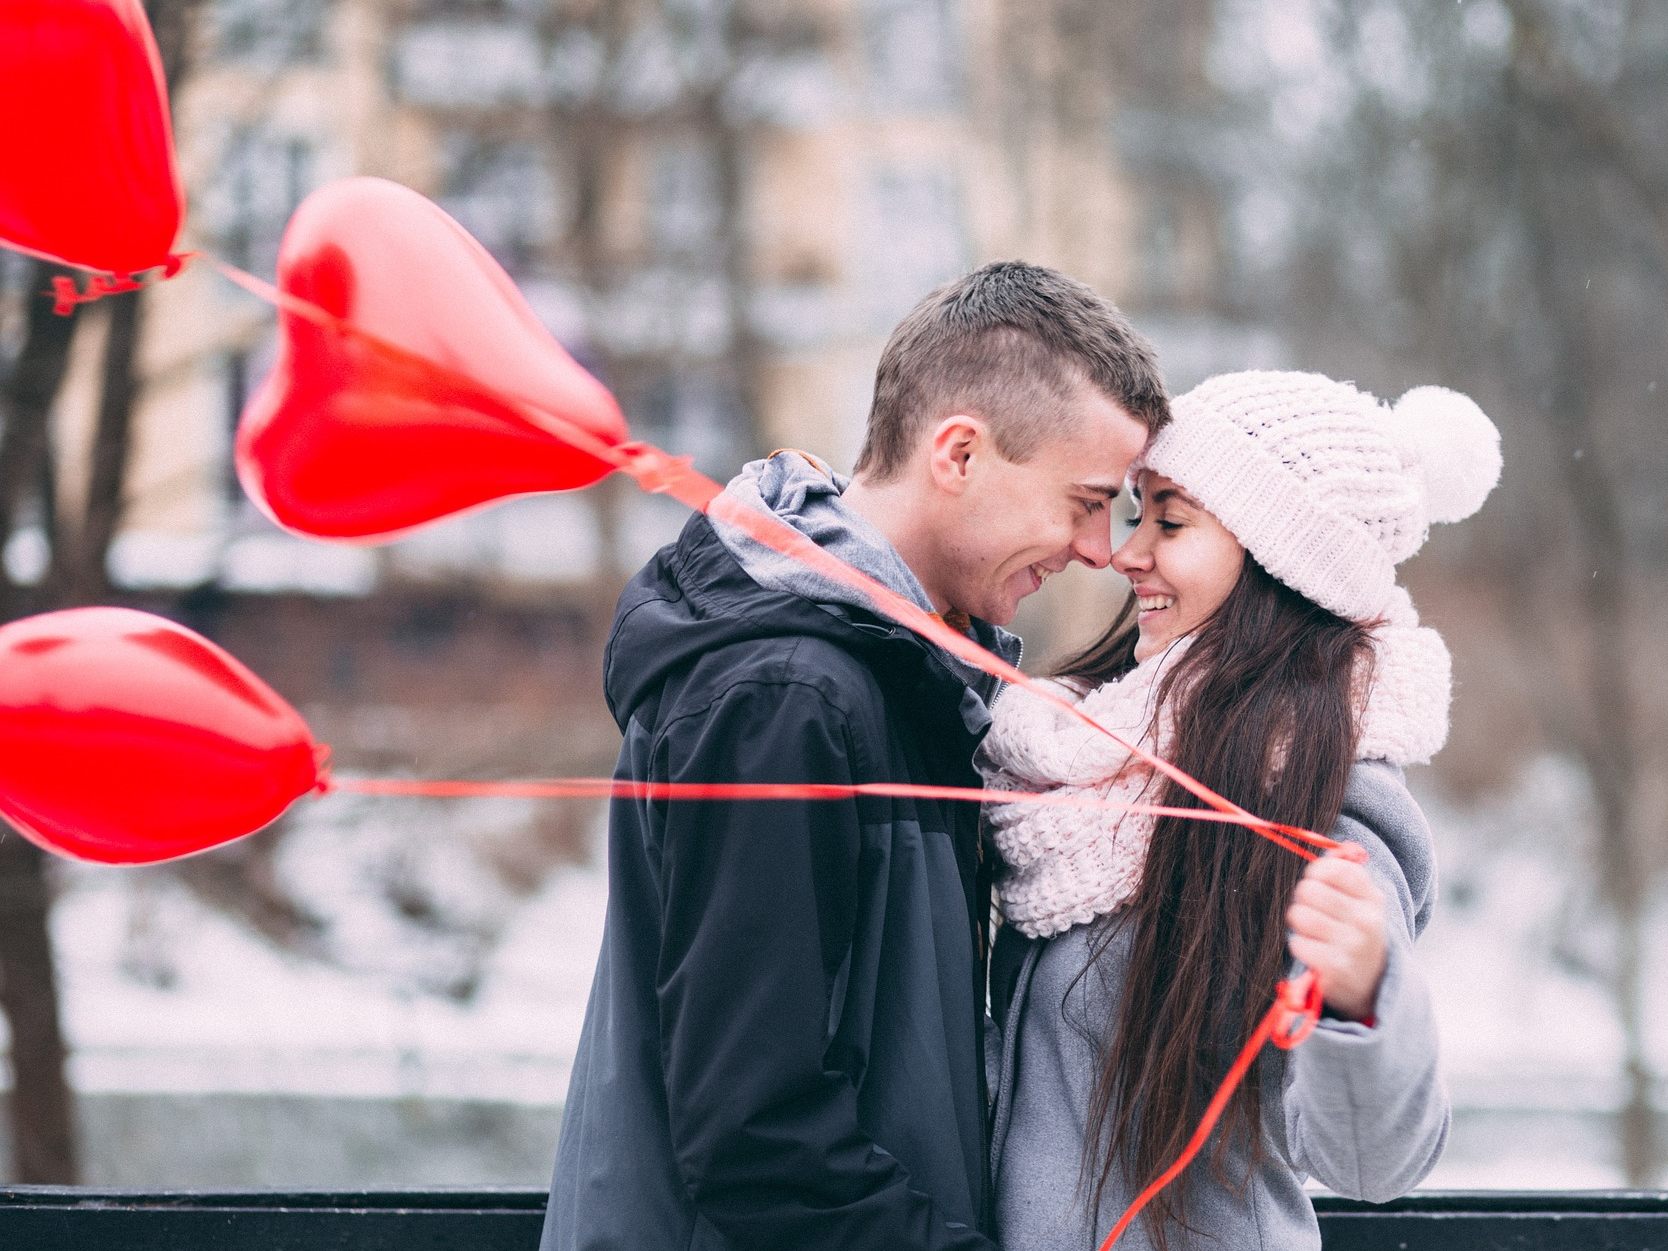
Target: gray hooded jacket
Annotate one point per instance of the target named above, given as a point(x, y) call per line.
point(1360, 1109)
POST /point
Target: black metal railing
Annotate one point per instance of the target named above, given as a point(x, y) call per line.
point(50, 1218)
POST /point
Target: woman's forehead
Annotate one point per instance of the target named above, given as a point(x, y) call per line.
point(1155, 487)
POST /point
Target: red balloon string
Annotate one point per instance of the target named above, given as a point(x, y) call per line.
point(629, 788)
point(658, 472)
point(1291, 1019)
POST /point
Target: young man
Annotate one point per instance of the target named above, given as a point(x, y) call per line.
point(784, 1043)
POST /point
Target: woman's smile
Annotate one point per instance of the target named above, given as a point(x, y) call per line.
point(1181, 563)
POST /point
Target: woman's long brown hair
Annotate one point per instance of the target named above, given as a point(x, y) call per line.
point(1262, 710)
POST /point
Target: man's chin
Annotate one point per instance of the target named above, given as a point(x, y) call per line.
point(1002, 614)
point(994, 614)
point(999, 610)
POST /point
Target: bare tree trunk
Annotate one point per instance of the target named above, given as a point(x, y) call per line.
point(1609, 735)
point(1610, 755)
point(728, 138)
point(1552, 86)
point(41, 1112)
point(591, 132)
point(1611, 758)
point(42, 1107)
point(79, 574)
point(26, 395)
point(746, 351)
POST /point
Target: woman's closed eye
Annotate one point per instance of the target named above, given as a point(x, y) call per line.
point(1163, 523)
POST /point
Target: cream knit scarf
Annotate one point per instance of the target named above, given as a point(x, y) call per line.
point(1065, 866)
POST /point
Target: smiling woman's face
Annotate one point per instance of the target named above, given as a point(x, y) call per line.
point(1180, 561)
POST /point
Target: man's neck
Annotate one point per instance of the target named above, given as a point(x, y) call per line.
point(892, 508)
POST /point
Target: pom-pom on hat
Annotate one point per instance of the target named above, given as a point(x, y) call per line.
point(1325, 486)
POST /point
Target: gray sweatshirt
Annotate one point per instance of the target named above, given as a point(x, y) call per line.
point(1362, 1110)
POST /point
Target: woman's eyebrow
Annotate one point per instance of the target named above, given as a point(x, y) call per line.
point(1177, 494)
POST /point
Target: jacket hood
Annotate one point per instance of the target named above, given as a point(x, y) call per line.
point(801, 492)
point(694, 597)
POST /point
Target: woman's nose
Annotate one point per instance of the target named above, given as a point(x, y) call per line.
point(1132, 557)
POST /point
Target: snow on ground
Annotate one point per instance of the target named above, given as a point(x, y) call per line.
point(1531, 1047)
point(240, 1016)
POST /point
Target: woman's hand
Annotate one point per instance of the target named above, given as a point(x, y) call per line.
point(1337, 929)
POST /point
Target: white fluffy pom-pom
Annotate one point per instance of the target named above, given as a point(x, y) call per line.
point(1455, 446)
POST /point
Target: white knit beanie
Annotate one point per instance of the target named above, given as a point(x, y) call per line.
point(1325, 486)
point(1329, 490)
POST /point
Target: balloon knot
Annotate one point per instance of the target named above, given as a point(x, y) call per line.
point(323, 783)
point(1297, 1010)
point(66, 297)
point(657, 471)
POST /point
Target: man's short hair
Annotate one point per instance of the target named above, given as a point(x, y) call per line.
point(1009, 343)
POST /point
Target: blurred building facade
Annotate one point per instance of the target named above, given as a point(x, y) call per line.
point(721, 208)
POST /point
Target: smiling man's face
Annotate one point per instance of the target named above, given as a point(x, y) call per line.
point(1017, 522)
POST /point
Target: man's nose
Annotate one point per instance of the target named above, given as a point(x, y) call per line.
point(1095, 548)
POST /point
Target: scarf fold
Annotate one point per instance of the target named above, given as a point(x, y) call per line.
point(1066, 866)
point(1063, 867)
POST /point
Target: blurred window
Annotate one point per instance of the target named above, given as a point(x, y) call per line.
point(512, 9)
point(915, 236)
point(272, 33)
point(261, 175)
point(786, 87)
point(694, 410)
point(915, 54)
point(502, 192)
point(684, 195)
point(467, 63)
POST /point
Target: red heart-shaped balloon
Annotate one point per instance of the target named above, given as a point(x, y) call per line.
point(128, 739)
point(90, 175)
point(346, 439)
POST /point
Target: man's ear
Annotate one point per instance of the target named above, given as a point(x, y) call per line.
point(954, 444)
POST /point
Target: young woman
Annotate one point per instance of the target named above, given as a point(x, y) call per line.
point(1267, 651)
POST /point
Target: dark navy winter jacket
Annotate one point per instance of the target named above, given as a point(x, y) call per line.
point(783, 1047)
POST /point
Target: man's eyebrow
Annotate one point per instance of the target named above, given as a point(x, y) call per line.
point(1096, 488)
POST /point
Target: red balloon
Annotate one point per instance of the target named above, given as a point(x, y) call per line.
point(127, 739)
point(86, 149)
point(346, 440)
